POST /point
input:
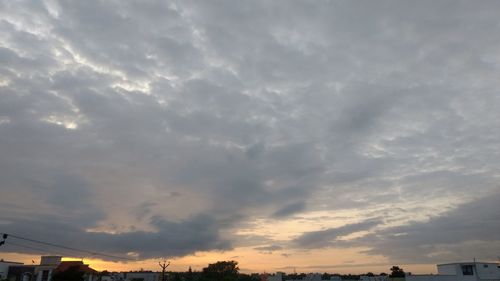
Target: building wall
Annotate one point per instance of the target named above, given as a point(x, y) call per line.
point(21, 272)
point(447, 269)
point(4, 268)
point(143, 276)
point(40, 269)
point(488, 271)
point(456, 270)
point(50, 260)
point(481, 271)
point(90, 277)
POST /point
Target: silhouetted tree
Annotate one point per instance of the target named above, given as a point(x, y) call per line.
point(370, 274)
point(326, 276)
point(221, 271)
point(350, 276)
point(71, 274)
point(396, 271)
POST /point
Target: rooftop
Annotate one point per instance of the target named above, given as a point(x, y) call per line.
point(15, 262)
point(469, 262)
point(65, 265)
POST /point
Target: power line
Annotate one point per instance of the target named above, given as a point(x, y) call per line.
point(26, 247)
point(68, 248)
point(43, 250)
point(67, 254)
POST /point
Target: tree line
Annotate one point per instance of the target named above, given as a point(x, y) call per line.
point(224, 271)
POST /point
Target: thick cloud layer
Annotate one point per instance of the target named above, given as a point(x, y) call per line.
point(126, 123)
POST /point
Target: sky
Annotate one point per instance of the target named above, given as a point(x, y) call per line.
point(338, 136)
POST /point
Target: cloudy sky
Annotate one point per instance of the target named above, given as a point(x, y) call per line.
point(332, 136)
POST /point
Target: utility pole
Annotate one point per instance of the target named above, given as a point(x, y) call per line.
point(4, 237)
point(163, 266)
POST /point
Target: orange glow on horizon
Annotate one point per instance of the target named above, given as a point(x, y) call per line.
point(341, 261)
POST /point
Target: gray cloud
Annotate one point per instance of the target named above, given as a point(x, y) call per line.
point(269, 248)
point(246, 110)
point(466, 232)
point(327, 237)
point(168, 239)
point(289, 209)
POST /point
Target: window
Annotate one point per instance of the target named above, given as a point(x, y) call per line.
point(485, 265)
point(467, 269)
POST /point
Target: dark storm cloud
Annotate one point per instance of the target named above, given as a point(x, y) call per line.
point(169, 238)
point(246, 110)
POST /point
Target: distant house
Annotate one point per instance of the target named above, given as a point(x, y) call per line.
point(41, 272)
point(89, 274)
point(49, 265)
point(141, 276)
point(462, 271)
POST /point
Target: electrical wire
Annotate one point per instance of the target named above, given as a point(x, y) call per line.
point(68, 248)
point(26, 247)
point(38, 249)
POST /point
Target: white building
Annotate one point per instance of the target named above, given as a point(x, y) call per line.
point(463, 271)
point(113, 277)
point(141, 276)
point(46, 268)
